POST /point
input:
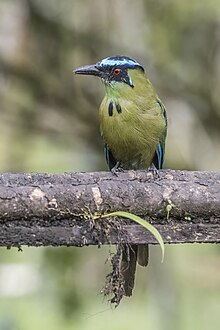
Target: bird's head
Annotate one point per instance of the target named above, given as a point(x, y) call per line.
point(116, 72)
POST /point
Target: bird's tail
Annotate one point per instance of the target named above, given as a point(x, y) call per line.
point(143, 255)
point(130, 256)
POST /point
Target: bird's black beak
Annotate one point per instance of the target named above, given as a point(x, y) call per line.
point(90, 70)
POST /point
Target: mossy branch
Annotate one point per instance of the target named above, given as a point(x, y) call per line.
point(52, 209)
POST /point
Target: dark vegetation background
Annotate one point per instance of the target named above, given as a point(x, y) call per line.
point(49, 123)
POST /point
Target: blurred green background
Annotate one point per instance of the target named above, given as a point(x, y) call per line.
point(49, 123)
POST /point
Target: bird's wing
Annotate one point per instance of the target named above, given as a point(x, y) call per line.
point(111, 161)
point(160, 150)
point(159, 156)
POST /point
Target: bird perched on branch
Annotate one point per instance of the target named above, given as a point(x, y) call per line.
point(133, 125)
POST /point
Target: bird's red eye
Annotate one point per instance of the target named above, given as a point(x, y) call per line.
point(117, 72)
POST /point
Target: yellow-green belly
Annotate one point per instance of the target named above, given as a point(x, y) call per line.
point(132, 136)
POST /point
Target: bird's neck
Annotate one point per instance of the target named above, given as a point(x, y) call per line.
point(142, 90)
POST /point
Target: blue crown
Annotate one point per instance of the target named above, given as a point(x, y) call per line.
point(122, 61)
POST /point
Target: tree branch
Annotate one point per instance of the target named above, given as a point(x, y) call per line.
point(53, 209)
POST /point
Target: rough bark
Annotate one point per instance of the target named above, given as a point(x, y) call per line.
point(53, 209)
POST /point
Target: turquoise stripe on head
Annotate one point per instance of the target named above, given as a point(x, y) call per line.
point(121, 61)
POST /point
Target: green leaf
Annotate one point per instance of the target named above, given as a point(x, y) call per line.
point(141, 222)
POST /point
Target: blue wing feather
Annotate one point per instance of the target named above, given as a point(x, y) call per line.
point(111, 161)
point(160, 150)
point(159, 156)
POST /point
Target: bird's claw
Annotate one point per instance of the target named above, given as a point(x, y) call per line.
point(153, 170)
point(116, 169)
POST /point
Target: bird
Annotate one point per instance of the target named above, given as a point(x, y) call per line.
point(133, 125)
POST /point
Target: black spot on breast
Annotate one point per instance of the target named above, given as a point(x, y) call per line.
point(118, 108)
point(110, 109)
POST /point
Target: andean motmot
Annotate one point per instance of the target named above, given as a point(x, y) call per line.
point(133, 125)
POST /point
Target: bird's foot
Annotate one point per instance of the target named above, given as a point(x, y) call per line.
point(116, 169)
point(153, 170)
